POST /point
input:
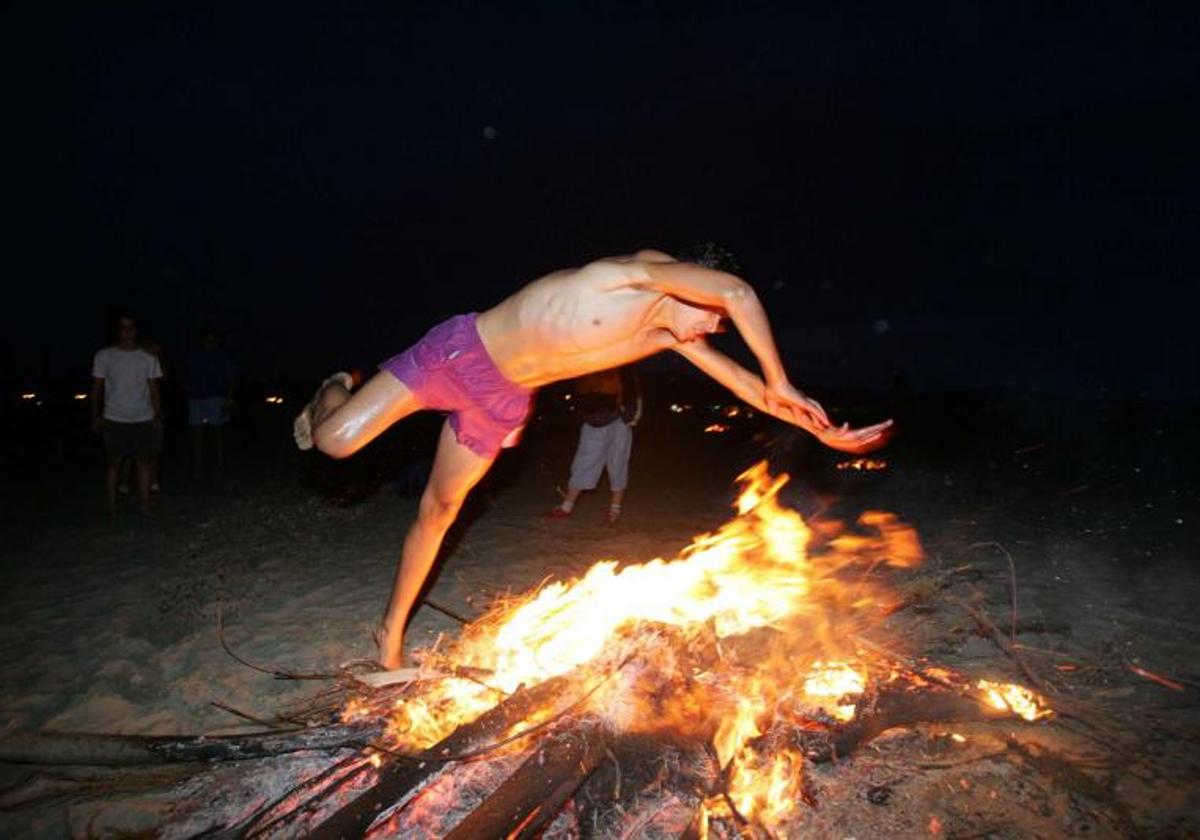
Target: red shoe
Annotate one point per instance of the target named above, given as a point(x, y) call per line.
point(557, 513)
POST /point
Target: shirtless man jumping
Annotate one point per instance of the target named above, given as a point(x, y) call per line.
point(484, 368)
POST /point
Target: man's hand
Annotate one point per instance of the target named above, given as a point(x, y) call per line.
point(787, 402)
point(856, 441)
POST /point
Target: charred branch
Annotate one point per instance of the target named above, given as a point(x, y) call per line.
point(398, 777)
point(528, 799)
point(90, 749)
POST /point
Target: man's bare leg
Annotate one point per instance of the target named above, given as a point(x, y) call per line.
point(143, 482)
point(112, 472)
point(456, 469)
point(573, 494)
point(339, 423)
point(614, 507)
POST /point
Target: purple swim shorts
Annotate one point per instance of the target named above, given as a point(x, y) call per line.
point(450, 370)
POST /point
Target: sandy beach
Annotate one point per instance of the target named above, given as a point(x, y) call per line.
point(111, 625)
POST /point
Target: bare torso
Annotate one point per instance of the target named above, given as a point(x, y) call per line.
point(576, 321)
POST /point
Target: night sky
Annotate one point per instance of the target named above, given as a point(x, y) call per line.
point(978, 194)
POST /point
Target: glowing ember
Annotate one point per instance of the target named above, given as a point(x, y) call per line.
point(829, 681)
point(862, 465)
point(1008, 697)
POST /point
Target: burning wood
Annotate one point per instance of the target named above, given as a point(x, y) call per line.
point(734, 653)
point(691, 692)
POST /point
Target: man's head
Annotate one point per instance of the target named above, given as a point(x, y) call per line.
point(711, 255)
point(125, 328)
point(689, 321)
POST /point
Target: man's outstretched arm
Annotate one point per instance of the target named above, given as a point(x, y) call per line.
point(750, 389)
point(737, 298)
point(731, 294)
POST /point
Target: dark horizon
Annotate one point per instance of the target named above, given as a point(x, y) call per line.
point(978, 197)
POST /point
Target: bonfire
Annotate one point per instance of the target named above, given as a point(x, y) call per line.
point(690, 697)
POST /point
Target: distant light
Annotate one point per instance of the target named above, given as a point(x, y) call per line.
point(676, 408)
point(81, 396)
point(275, 400)
point(29, 395)
point(732, 411)
point(716, 429)
point(862, 465)
point(567, 397)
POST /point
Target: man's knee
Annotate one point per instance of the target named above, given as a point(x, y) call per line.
point(332, 443)
point(438, 511)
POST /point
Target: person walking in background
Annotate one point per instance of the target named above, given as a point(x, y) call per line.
point(610, 404)
point(126, 409)
point(210, 397)
point(154, 348)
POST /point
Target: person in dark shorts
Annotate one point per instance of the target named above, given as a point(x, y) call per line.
point(609, 403)
point(126, 409)
point(210, 396)
point(483, 369)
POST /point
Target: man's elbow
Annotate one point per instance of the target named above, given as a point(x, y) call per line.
point(737, 292)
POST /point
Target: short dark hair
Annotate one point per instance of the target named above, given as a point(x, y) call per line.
point(711, 255)
point(116, 316)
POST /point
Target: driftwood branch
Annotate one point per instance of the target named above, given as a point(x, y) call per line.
point(42, 787)
point(83, 748)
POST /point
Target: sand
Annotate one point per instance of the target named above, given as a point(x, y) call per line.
point(110, 625)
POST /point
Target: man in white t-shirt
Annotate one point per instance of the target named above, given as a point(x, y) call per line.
point(126, 408)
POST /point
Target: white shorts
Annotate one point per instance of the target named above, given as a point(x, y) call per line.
point(599, 447)
point(209, 411)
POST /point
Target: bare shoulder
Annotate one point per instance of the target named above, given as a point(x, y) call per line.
point(610, 273)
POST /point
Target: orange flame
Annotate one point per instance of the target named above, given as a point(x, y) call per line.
point(827, 682)
point(1009, 697)
point(759, 570)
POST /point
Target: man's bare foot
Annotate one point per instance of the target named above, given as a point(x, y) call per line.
point(311, 416)
point(391, 647)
